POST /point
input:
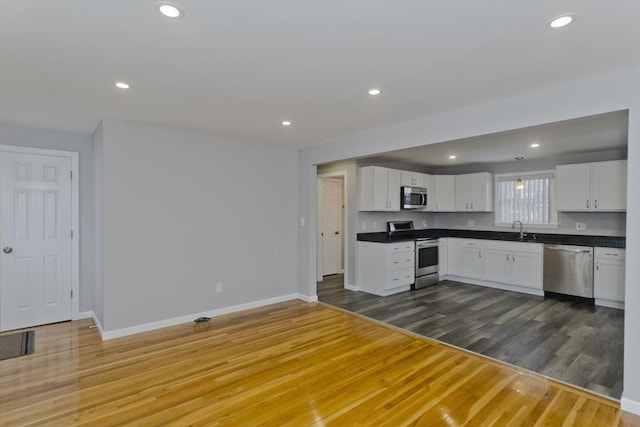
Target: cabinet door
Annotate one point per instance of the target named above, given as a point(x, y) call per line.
point(462, 193)
point(609, 186)
point(472, 261)
point(526, 269)
point(428, 183)
point(574, 187)
point(443, 259)
point(497, 265)
point(608, 280)
point(444, 193)
point(407, 178)
point(480, 192)
point(393, 189)
point(454, 256)
point(380, 186)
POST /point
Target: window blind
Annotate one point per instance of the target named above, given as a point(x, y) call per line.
point(531, 205)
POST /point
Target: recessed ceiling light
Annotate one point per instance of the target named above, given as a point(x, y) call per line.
point(561, 21)
point(453, 156)
point(122, 85)
point(169, 10)
point(286, 123)
point(374, 91)
point(535, 145)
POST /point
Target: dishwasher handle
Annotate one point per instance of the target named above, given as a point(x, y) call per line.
point(565, 249)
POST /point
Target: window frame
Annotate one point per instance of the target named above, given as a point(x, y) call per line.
point(553, 209)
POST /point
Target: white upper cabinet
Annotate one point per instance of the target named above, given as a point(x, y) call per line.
point(412, 179)
point(442, 198)
point(592, 187)
point(474, 192)
point(378, 189)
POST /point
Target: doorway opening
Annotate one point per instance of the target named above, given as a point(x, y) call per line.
point(331, 228)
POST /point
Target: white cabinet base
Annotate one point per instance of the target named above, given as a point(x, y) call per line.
point(520, 289)
point(610, 304)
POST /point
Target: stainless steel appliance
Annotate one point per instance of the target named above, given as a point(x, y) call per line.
point(413, 197)
point(568, 270)
point(426, 263)
point(395, 227)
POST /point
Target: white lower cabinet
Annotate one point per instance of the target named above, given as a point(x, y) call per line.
point(472, 262)
point(514, 263)
point(608, 277)
point(385, 268)
point(443, 259)
point(454, 260)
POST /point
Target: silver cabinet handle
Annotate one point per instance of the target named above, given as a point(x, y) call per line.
point(507, 257)
point(7, 250)
point(513, 257)
point(597, 266)
point(436, 205)
point(336, 232)
point(609, 254)
point(596, 204)
point(587, 204)
point(467, 205)
point(471, 205)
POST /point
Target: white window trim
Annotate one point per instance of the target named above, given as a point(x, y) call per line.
point(554, 211)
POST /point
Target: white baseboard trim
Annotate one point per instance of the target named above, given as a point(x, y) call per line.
point(630, 405)
point(84, 315)
point(610, 304)
point(98, 324)
point(118, 333)
point(307, 298)
point(351, 287)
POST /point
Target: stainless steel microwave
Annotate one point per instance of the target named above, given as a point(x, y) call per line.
point(413, 197)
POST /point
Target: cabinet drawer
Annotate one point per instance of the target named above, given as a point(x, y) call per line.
point(611, 254)
point(400, 261)
point(400, 278)
point(400, 247)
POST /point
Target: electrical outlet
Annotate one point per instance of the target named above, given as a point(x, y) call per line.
point(581, 225)
point(218, 287)
point(471, 223)
point(424, 224)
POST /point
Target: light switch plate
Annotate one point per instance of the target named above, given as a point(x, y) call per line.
point(581, 225)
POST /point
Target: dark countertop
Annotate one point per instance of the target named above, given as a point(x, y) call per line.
point(559, 239)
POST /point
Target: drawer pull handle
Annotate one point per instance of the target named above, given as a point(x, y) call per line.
point(611, 254)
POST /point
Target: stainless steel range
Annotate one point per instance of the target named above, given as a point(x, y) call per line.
point(426, 263)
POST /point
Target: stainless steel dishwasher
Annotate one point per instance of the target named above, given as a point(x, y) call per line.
point(568, 270)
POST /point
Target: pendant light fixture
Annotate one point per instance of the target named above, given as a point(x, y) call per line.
point(519, 184)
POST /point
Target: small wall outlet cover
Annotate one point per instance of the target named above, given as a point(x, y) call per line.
point(218, 287)
point(471, 223)
point(581, 225)
point(424, 224)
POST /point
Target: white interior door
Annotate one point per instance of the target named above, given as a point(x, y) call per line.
point(331, 226)
point(35, 240)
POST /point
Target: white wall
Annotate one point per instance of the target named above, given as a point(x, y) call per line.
point(65, 141)
point(602, 94)
point(183, 211)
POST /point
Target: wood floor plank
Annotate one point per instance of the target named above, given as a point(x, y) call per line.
point(292, 363)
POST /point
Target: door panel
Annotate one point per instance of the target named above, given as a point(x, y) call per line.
point(35, 203)
point(331, 227)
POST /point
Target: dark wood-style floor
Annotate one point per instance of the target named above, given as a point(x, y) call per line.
point(569, 341)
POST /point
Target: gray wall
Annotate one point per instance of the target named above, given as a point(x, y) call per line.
point(183, 211)
point(98, 197)
point(64, 141)
point(601, 94)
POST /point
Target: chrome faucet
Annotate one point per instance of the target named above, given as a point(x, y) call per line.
point(523, 233)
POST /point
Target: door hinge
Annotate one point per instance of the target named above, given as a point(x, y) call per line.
point(71, 293)
point(71, 234)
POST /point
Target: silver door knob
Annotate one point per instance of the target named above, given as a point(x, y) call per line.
point(7, 250)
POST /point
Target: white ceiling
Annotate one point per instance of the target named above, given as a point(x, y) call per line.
point(599, 133)
point(238, 68)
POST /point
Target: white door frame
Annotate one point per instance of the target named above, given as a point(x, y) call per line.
point(345, 214)
point(75, 219)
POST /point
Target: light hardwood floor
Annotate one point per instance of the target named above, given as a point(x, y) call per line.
point(292, 363)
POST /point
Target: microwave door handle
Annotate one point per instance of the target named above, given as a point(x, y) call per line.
point(424, 199)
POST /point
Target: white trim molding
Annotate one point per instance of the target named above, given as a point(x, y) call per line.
point(629, 405)
point(118, 333)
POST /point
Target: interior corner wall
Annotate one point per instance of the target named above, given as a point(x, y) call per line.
point(98, 197)
point(600, 94)
point(24, 136)
point(184, 211)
